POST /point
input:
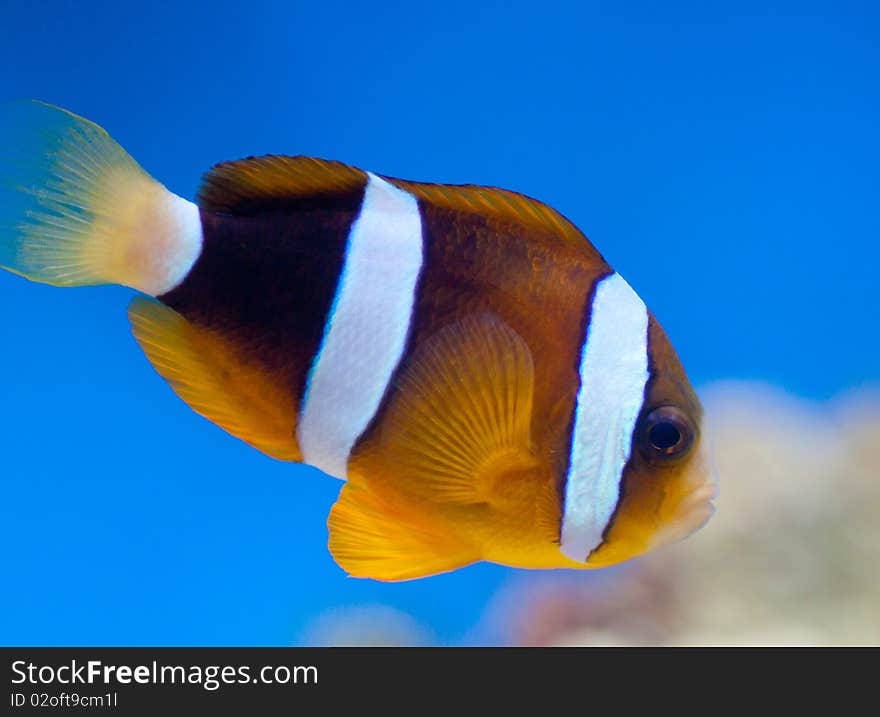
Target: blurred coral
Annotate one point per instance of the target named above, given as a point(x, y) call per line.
point(792, 555)
point(366, 626)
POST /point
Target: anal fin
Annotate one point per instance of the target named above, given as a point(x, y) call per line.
point(211, 374)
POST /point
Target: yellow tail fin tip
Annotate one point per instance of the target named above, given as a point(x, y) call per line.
point(76, 209)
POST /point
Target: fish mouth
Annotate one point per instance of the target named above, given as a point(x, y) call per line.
point(694, 509)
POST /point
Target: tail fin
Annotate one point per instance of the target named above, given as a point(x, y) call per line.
point(77, 210)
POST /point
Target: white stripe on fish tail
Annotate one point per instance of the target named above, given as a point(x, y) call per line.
point(77, 210)
point(171, 243)
point(613, 375)
point(366, 330)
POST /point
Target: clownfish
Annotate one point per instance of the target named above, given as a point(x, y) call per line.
point(486, 385)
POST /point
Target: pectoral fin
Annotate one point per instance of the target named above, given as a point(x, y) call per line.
point(453, 451)
point(460, 417)
point(214, 376)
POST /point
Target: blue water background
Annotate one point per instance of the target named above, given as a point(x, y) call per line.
point(723, 157)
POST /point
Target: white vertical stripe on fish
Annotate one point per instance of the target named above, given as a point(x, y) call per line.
point(613, 374)
point(367, 327)
point(171, 241)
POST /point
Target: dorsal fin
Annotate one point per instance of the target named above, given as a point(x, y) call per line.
point(258, 184)
point(502, 204)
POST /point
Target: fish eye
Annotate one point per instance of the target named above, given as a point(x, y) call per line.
point(667, 433)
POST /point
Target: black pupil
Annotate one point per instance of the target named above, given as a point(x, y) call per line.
point(665, 436)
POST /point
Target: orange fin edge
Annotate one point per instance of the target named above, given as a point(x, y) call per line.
point(372, 537)
point(206, 372)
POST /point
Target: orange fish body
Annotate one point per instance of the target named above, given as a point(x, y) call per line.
point(485, 383)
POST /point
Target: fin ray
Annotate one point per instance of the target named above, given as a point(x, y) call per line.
point(206, 370)
point(76, 209)
point(372, 537)
point(258, 184)
point(461, 413)
point(502, 204)
point(452, 453)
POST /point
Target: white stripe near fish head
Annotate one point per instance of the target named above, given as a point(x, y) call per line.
point(613, 375)
point(366, 330)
